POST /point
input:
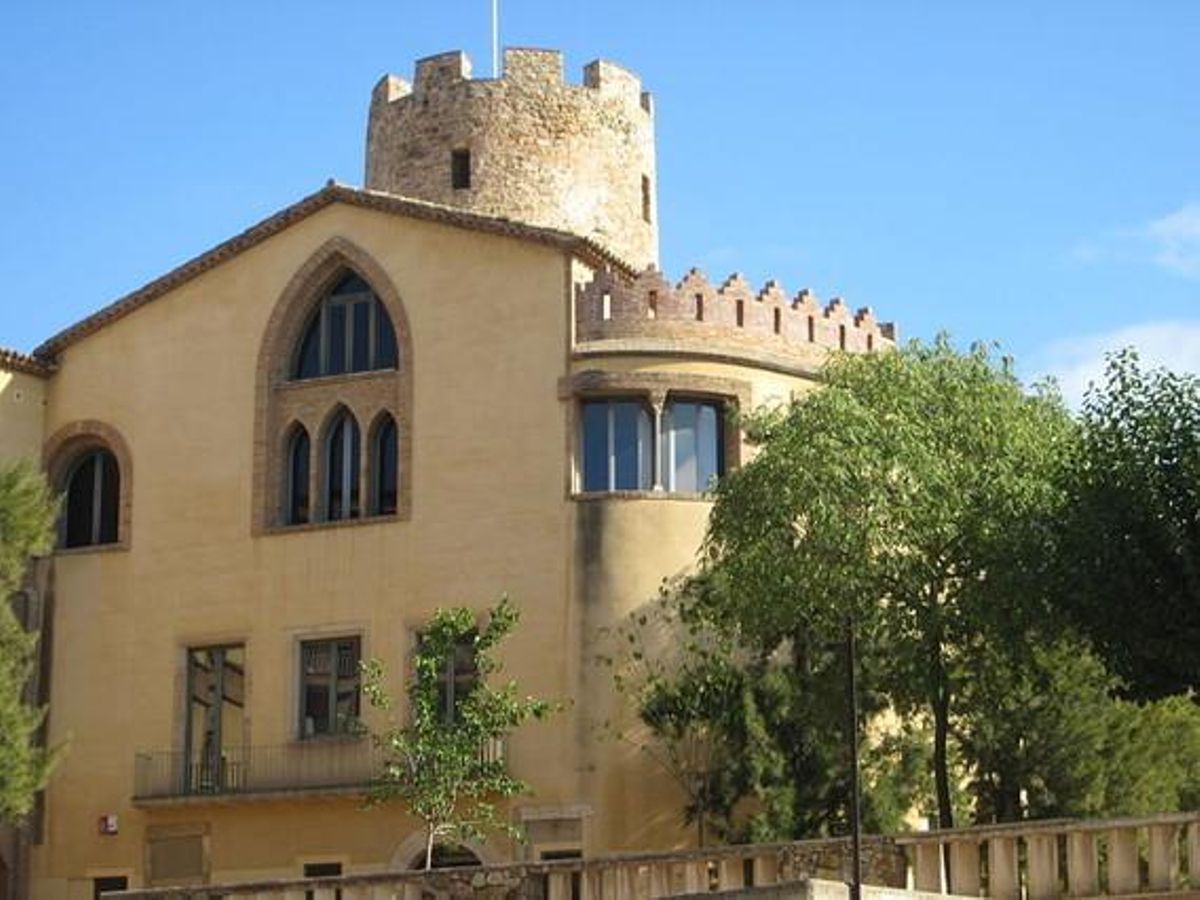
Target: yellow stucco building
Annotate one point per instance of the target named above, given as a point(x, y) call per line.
point(464, 379)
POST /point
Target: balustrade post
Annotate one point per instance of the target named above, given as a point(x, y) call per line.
point(559, 886)
point(1082, 875)
point(927, 866)
point(766, 870)
point(1193, 838)
point(1041, 854)
point(294, 894)
point(731, 873)
point(1123, 861)
point(964, 868)
point(610, 883)
point(386, 891)
point(1164, 857)
point(1004, 880)
point(660, 879)
point(591, 884)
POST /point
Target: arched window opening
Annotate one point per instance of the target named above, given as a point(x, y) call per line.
point(385, 468)
point(350, 331)
point(618, 447)
point(447, 856)
point(693, 445)
point(342, 450)
point(299, 456)
point(93, 499)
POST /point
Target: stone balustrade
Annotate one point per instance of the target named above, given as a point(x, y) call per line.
point(1056, 858)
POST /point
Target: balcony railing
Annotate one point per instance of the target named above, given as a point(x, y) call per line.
point(310, 766)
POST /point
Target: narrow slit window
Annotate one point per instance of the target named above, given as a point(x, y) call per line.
point(296, 486)
point(652, 310)
point(741, 313)
point(812, 329)
point(647, 199)
point(699, 307)
point(841, 337)
point(460, 169)
point(778, 320)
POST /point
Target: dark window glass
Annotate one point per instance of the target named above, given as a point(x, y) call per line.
point(93, 501)
point(460, 169)
point(329, 686)
point(386, 356)
point(308, 365)
point(296, 488)
point(386, 469)
point(458, 678)
point(81, 496)
point(341, 469)
point(361, 344)
point(618, 449)
point(337, 339)
point(350, 332)
point(109, 883)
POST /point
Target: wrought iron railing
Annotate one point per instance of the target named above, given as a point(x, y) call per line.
point(311, 765)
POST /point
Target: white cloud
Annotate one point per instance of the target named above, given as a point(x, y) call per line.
point(1171, 242)
point(1176, 239)
point(1075, 362)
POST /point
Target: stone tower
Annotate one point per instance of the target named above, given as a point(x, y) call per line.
point(527, 146)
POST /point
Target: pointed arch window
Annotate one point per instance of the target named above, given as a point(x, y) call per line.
point(296, 479)
point(343, 447)
point(350, 331)
point(385, 467)
point(92, 501)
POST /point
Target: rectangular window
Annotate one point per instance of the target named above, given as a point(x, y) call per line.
point(329, 686)
point(460, 169)
point(109, 883)
point(323, 870)
point(617, 444)
point(216, 704)
point(647, 200)
point(457, 677)
point(693, 446)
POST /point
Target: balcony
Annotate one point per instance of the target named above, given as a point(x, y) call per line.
point(317, 766)
point(334, 766)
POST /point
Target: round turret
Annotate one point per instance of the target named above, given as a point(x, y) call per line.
point(527, 146)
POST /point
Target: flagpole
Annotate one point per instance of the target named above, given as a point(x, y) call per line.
point(495, 38)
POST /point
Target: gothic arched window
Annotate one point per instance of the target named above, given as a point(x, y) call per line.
point(93, 489)
point(349, 331)
point(295, 487)
point(385, 467)
point(342, 453)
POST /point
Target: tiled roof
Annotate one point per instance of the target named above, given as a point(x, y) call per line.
point(14, 361)
point(585, 248)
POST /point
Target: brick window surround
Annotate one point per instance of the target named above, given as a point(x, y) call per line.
point(70, 442)
point(282, 403)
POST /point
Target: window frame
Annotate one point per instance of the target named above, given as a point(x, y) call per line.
point(321, 317)
point(668, 440)
point(100, 511)
point(645, 456)
point(335, 640)
point(349, 479)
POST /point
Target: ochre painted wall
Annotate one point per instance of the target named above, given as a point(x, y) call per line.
point(22, 404)
point(492, 512)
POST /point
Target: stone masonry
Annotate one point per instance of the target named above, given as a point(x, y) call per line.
point(574, 157)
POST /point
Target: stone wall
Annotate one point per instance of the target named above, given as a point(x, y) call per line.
point(731, 320)
point(575, 157)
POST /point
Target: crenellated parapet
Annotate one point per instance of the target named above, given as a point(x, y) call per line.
point(528, 146)
point(730, 320)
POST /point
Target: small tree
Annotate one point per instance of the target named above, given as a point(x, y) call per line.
point(437, 764)
point(26, 524)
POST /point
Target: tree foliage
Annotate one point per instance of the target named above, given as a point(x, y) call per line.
point(27, 512)
point(905, 494)
point(436, 764)
point(1130, 553)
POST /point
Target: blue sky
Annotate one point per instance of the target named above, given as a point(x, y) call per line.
point(1024, 172)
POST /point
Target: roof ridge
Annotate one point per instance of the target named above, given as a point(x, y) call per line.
point(16, 361)
point(332, 192)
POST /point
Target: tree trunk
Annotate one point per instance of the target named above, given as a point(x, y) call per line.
point(429, 847)
point(941, 763)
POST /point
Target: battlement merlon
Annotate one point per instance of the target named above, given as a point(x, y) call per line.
point(525, 66)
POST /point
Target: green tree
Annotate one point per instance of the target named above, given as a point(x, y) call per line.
point(1129, 558)
point(910, 495)
point(436, 764)
point(27, 512)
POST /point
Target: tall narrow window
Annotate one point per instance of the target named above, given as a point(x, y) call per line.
point(350, 331)
point(693, 446)
point(216, 704)
point(342, 451)
point(93, 500)
point(460, 169)
point(618, 449)
point(329, 686)
point(458, 677)
point(299, 454)
point(385, 468)
point(647, 200)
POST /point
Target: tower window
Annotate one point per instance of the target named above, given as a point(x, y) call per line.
point(646, 197)
point(460, 169)
point(618, 449)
